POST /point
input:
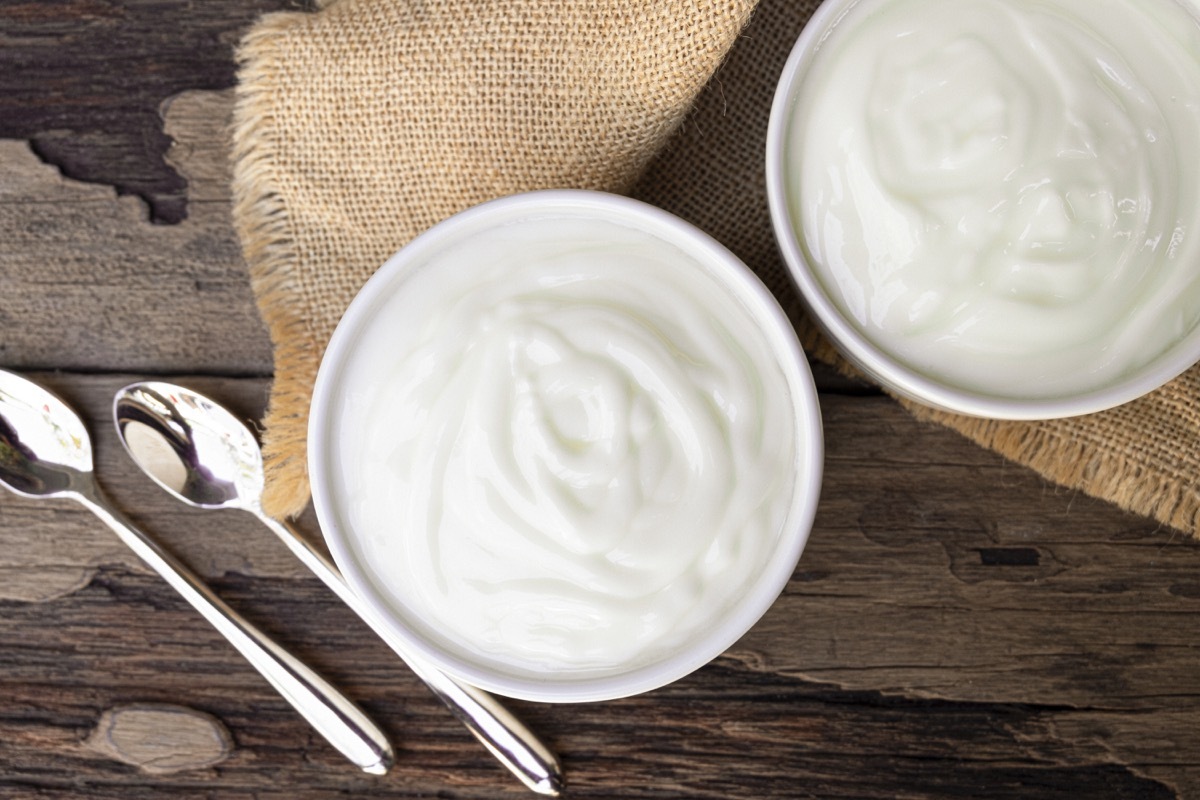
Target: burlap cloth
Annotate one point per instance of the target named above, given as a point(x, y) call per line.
point(360, 125)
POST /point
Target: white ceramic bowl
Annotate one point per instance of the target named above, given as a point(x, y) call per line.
point(867, 351)
point(746, 604)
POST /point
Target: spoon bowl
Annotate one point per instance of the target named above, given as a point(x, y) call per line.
point(45, 452)
point(44, 447)
point(200, 452)
point(189, 445)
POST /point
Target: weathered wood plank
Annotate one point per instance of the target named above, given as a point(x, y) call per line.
point(1037, 643)
point(88, 282)
point(83, 80)
point(725, 732)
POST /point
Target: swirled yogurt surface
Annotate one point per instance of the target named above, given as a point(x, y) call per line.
point(1004, 195)
point(564, 445)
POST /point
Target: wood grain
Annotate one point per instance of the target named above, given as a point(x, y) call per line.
point(160, 738)
point(956, 628)
point(137, 295)
point(82, 81)
point(906, 651)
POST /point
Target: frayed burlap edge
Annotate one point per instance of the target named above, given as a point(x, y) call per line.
point(276, 262)
point(269, 247)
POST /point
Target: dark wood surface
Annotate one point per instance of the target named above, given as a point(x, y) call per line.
point(956, 627)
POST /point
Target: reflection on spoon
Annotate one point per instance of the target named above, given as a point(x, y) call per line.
point(45, 452)
point(199, 452)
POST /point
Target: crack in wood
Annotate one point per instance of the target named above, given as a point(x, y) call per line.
point(1009, 556)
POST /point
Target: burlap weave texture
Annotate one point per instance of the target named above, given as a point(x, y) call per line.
point(362, 125)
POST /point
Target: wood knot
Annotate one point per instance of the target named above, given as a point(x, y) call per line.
point(161, 738)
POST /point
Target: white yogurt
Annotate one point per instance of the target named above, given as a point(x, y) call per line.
point(1005, 195)
point(564, 445)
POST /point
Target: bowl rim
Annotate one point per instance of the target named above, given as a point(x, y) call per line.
point(735, 620)
point(848, 338)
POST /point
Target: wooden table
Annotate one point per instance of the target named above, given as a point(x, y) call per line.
point(956, 628)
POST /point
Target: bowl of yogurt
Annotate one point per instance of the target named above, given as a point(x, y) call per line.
point(566, 445)
point(992, 207)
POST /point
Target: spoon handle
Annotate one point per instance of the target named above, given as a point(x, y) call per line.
point(508, 739)
point(333, 715)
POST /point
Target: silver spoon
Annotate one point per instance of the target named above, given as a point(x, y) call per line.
point(45, 452)
point(201, 453)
